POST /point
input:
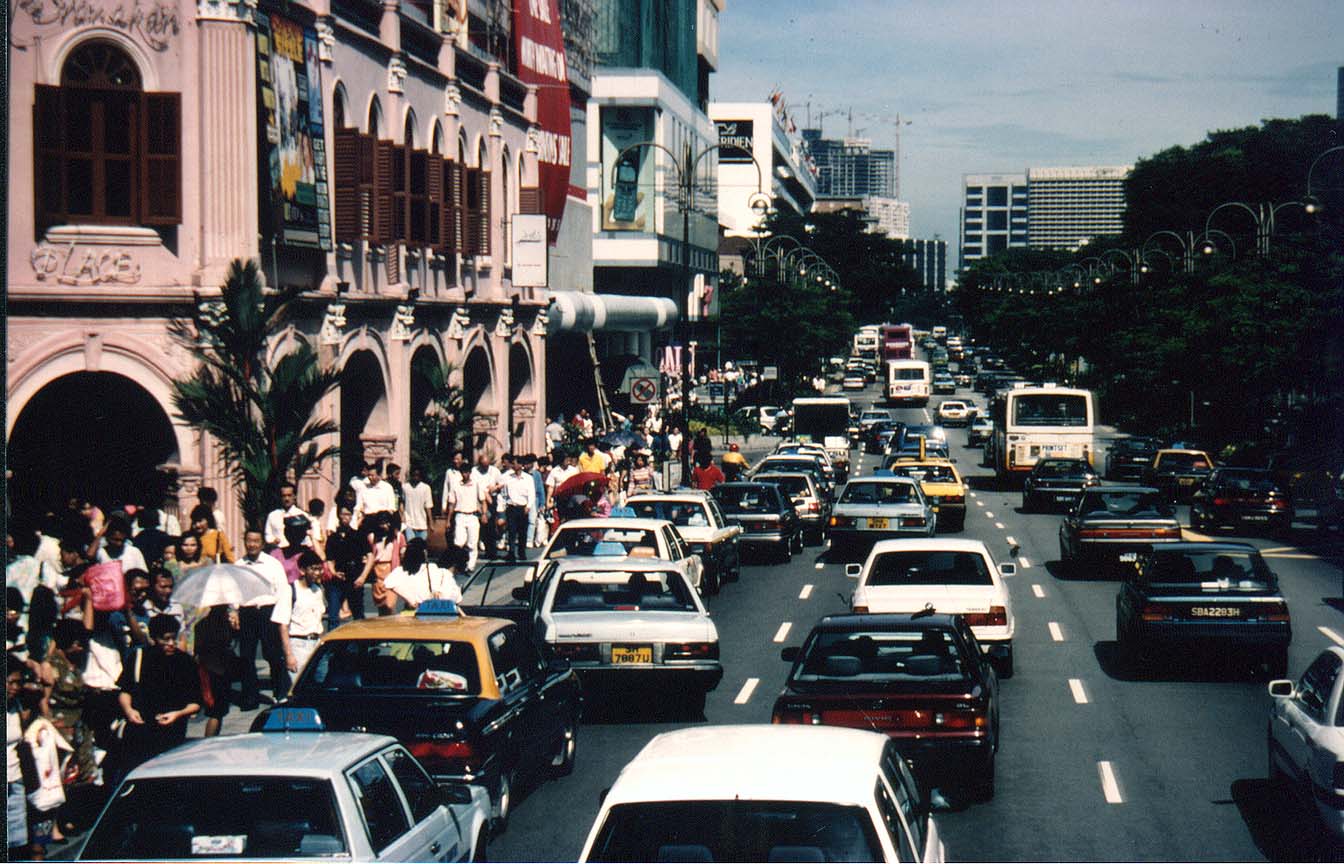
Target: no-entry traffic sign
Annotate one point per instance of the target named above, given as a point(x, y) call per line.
point(643, 390)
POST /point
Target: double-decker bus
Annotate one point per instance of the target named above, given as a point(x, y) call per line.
point(1034, 423)
point(896, 342)
point(908, 382)
point(866, 342)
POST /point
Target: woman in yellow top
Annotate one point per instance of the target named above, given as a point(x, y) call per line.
point(214, 544)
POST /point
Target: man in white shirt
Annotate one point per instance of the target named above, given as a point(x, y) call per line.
point(113, 546)
point(275, 520)
point(563, 470)
point(450, 479)
point(520, 493)
point(466, 505)
point(489, 476)
point(300, 620)
point(378, 496)
point(417, 580)
point(555, 434)
point(417, 505)
point(256, 624)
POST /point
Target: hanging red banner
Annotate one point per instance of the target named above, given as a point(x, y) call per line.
point(539, 45)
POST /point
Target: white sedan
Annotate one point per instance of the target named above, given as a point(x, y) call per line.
point(954, 412)
point(625, 538)
point(1306, 736)
point(953, 576)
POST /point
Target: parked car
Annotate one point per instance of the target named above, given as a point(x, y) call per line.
point(1242, 498)
point(768, 518)
point(814, 508)
point(1056, 484)
point(1178, 474)
point(701, 524)
point(920, 679)
point(1128, 457)
point(1306, 738)
point(953, 576)
point(877, 507)
point(1114, 524)
point(1213, 597)
point(742, 793)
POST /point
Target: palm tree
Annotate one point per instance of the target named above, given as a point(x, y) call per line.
point(446, 427)
point(260, 416)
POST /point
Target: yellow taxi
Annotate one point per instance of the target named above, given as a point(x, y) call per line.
point(941, 483)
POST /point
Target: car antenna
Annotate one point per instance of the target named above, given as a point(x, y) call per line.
point(925, 612)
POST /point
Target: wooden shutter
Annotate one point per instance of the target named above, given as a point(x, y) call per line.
point(161, 159)
point(482, 221)
point(471, 180)
point(48, 157)
point(457, 194)
point(529, 200)
point(367, 162)
point(417, 183)
point(434, 182)
point(384, 176)
point(346, 174)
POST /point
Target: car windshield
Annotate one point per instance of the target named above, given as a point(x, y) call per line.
point(1049, 409)
point(1142, 504)
point(1182, 462)
point(585, 541)
point(878, 655)
point(1136, 446)
point(683, 514)
point(219, 817)
point(928, 567)
point(747, 499)
point(1056, 468)
point(1246, 481)
point(622, 591)
point(792, 485)
point(431, 667)
point(878, 493)
point(790, 465)
point(927, 473)
point(1211, 569)
point(736, 831)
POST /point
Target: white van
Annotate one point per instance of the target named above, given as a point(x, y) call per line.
point(908, 382)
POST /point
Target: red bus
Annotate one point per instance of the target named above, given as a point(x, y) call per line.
point(895, 342)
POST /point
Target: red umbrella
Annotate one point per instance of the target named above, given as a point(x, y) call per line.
point(578, 481)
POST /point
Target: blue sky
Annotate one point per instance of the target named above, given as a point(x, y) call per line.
point(998, 87)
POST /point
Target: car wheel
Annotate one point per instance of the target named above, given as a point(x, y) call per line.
point(481, 841)
point(786, 551)
point(1004, 664)
point(1026, 503)
point(1278, 780)
point(1276, 663)
point(1196, 522)
point(710, 583)
point(563, 763)
point(982, 788)
point(694, 706)
point(503, 802)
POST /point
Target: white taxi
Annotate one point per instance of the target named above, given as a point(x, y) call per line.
point(950, 576)
point(954, 412)
point(1306, 737)
point(294, 791)
point(742, 793)
point(700, 523)
point(624, 537)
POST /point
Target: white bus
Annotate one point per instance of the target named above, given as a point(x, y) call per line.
point(866, 342)
point(908, 382)
point(1034, 423)
point(940, 333)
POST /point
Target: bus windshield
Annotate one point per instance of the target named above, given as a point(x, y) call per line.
point(1050, 409)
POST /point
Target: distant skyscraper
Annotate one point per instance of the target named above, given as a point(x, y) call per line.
point(929, 258)
point(1067, 207)
point(889, 216)
point(850, 167)
point(993, 214)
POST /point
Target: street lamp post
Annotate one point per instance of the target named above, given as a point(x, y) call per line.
point(1263, 216)
point(685, 202)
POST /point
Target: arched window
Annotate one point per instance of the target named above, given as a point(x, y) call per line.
point(338, 108)
point(108, 153)
point(375, 115)
point(507, 220)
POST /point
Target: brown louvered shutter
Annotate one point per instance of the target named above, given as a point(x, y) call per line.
point(401, 198)
point(471, 180)
point(417, 184)
point(457, 176)
point(529, 200)
point(48, 157)
point(384, 179)
point(161, 159)
point(367, 163)
point(434, 201)
point(346, 174)
point(483, 214)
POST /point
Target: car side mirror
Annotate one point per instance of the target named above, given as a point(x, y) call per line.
point(1281, 688)
point(789, 654)
point(522, 592)
point(1007, 569)
point(453, 793)
point(853, 571)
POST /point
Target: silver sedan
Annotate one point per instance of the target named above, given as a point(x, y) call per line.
point(878, 508)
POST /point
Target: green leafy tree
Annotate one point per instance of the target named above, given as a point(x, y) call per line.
point(446, 426)
point(260, 415)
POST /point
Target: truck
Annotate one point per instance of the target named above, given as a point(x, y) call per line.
point(826, 421)
point(896, 342)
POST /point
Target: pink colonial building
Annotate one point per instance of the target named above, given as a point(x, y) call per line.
point(373, 152)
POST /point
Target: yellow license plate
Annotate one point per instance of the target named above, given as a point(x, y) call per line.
point(1187, 481)
point(877, 523)
point(631, 654)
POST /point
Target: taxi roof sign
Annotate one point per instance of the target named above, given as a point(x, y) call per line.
point(437, 609)
point(624, 513)
point(283, 719)
point(608, 547)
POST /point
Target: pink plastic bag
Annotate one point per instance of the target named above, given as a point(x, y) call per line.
point(108, 585)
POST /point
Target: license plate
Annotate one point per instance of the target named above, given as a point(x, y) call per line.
point(1256, 518)
point(1128, 557)
point(622, 654)
point(880, 524)
point(1063, 497)
point(1187, 481)
point(1215, 612)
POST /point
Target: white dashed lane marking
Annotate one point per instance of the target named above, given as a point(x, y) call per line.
point(1109, 787)
point(990, 514)
point(805, 593)
point(1038, 591)
point(820, 566)
point(1055, 632)
point(998, 525)
point(1331, 635)
point(1026, 565)
point(783, 632)
point(744, 695)
point(979, 503)
point(1011, 541)
point(1079, 694)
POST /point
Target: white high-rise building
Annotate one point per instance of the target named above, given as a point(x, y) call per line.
point(1067, 207)
point(993, 214)
point(889, 216)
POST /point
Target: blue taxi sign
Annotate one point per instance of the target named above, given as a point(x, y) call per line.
point(624, 513)
point(608, 547)
point(293, 720)
point(437, 609)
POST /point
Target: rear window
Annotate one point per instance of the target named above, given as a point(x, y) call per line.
point(1061, 468)
point(909, 374)
point(1247, 481)
point(929, 567)
point(621, 591)
point(584, 541)
point(736, 831)
point(789, 485)
point(1050, 409)
point(747, 499)
point(354, 666)
point(927, 473)
point(878, 493)
point(881, 654)
point(1182, 462)
point(1137, 504)
point(1214, 569)
point(219, 817)
point(685, 514)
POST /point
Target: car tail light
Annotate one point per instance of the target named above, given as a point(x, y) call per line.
point(1168, 532)
point(841, 522)
point(794, 716)
point(859, 610)
point(444, 757)
point(691, 651)
point(1090, 533)
point(1220, 502)
point(913, 521)
point(576, 651)
point(1278, 612)
point(973, 719)
point(997, 616)
point(1155, 612)
point(813, 507)
point(1277, 502)
point(953, 499)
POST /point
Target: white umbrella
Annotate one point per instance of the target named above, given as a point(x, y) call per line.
point(220, 585)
